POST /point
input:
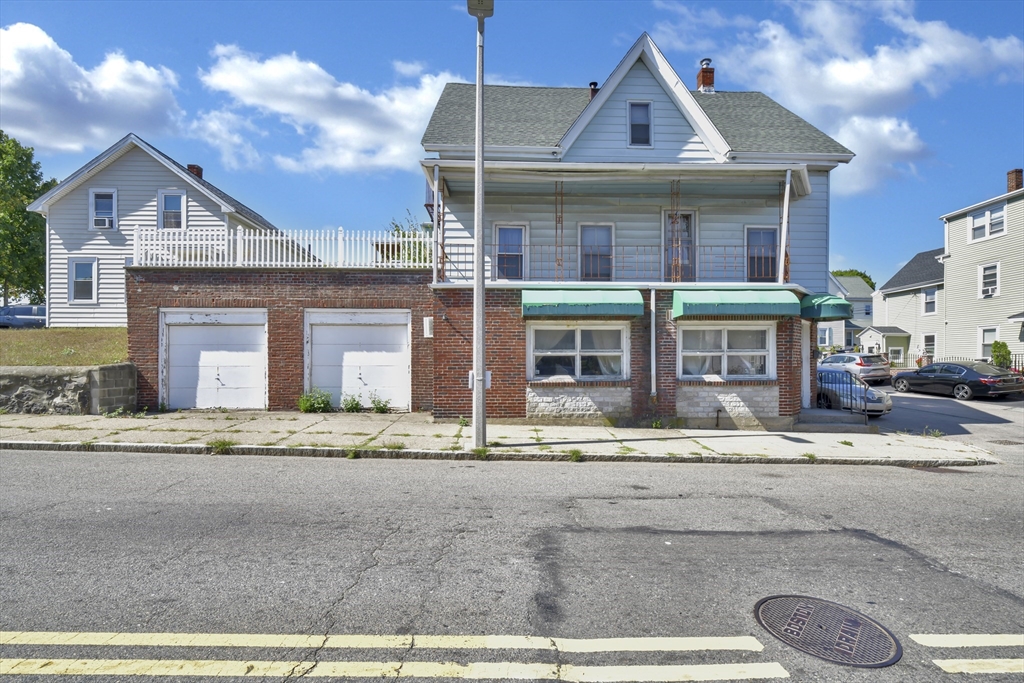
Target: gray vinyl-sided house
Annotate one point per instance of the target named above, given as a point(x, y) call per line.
point(844, 333)
point(92, 218)
point(907, 320)
point(651, 249)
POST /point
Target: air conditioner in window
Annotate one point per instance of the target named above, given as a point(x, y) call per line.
point(988, 291)
point(102, 223)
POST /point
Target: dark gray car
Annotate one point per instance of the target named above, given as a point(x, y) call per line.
point(23, 316)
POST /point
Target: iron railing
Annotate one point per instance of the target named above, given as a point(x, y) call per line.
point(842, 390)
point(914, 361)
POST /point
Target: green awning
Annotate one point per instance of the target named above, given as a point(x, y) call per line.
point(582, 302)
point(734, 302)
point(825, 307)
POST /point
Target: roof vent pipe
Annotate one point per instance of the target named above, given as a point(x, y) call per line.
point(706, 76)
point(593, 89)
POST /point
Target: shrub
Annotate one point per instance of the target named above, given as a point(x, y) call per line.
point(1001, 354)
point(315, 401)
point(351, 403)
point(378, 404)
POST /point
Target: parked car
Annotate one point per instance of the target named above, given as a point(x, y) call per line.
point(23, 316)
point(842, 390)
point(870, 367)
point(960, 380)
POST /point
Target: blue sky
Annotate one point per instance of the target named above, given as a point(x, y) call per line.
point(311, 112)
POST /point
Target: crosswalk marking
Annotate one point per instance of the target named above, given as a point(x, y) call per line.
point(981, 666)
point(452, 642)
point(473, 670)
point(968, 639)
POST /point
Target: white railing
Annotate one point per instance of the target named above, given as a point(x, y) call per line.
point(245, 248)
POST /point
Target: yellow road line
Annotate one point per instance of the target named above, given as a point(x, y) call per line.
point(981, 666)
point(473, 670)
point(968, 639)
point(747, 643)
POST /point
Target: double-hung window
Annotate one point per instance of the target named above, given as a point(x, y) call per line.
point(988, 281)
point(171, 209)
point(511, 254)
point(82, 280)
point(640, 128)
point(928, 344)
point(929, 301)
point(102, 209)
point(595, 252)
point(736, 351)
point(986, 336)
point(762, 261)
point(579, 351)
point(988, 223)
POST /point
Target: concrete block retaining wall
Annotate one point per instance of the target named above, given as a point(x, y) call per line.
point(68, 390)
point(600, 400)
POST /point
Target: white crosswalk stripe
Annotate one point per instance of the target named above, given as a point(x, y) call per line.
point(969, 640)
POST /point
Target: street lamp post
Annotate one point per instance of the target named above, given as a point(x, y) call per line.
point(481, 9)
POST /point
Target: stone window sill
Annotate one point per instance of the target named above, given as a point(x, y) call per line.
point(572, 382)
point(700, 382)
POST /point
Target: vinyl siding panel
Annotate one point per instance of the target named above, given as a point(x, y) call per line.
point(137, 177)
point(906, 311)
point(605, 137)
point(964, 310)
point(808, 235)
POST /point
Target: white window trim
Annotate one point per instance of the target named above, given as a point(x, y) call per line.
point(924, 301)
point(898, 352)
point(987, 213)
point(981, 330)
point(525, 227)
point(629, 124)
point(694, 224)
point(160, 194)
point(770, 364)
point(579, 247)
point(924, 342)
point(93, 191)
point(981, 271)
point(746, 248)
point(95, 280)
point(623, 327)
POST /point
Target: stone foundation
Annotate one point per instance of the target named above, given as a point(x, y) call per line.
point(68, 390)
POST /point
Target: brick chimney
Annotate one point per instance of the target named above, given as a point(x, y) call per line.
point(1015, 179)
point(593, 89)
point(196, 170)
point(706, 76)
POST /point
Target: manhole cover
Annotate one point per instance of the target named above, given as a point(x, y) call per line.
point(828, 630)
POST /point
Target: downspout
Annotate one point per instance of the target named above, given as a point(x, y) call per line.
point(437, 173)
point(654, 348)
point(784, 241)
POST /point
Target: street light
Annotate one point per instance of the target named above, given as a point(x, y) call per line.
point(481, 9)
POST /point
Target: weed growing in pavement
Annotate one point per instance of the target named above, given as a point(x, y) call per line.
point(544, 447)
point(378, 404)
point(221, 446)
point(122, 412)
point(316, 401)
point(439, 436)
point(352, 454)
point(463, 422)
point(162, 407)
point(810, 456)
point(626, 450)
point(495, 443)
point(935, 433)
point(575, 455)
point(656, 423)
point(394, 446)
point(351, 403)
point(480, 453)
point(846, 443)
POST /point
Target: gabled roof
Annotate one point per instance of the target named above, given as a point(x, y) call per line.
point(855, 286)
point(921, 270)
point(129, 142)
point(884, 330)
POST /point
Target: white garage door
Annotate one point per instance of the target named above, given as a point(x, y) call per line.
point(368, 354)
point(216, 366)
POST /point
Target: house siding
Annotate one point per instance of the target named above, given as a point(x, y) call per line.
point(137, 177)
point(963, 308)
point(905, 311)
point(808, 235)
point(605, 137)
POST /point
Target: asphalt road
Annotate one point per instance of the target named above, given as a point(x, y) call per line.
point(260, 545)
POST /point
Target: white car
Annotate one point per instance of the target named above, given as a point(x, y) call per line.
point(870, 367)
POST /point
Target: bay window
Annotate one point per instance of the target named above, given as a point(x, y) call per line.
point(579, 351)
point(728, 351)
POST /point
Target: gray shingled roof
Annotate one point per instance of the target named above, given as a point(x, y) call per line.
point(887, 330)
point(921, 270)
point(530, 116)
point(855, 285)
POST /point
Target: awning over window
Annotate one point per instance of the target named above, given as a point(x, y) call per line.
point(734, 302)
point(825, 307)
point(582, 302)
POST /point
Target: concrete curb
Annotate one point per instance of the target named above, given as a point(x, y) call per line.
point(384, 454)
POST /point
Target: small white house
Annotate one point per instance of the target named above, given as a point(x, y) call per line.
point(92, 216)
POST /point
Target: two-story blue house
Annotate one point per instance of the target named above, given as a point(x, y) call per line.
point(652, 251)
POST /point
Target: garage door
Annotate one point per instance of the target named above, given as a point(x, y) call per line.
point(216, 366)
point(359, 355)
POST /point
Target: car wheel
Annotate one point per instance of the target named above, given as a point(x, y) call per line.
point(962, 392)
point(901, 385)
point(824, 402)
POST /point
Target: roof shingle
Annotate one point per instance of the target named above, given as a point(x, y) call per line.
point(921, 270)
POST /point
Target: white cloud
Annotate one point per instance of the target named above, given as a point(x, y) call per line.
point(350, 128)
point(691, 31)
point(50, 102)
point(859, 93)
point(221, 130)
point(408, 69)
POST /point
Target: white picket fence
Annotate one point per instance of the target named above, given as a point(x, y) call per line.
point(245, 248)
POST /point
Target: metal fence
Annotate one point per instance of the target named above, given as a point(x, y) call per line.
point(842, 390)
point(1016, 361)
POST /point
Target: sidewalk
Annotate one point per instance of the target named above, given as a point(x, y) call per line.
point(415, 435)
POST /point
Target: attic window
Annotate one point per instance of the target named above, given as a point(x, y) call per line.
point(640, 124)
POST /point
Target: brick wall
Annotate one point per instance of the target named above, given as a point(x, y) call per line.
point(285, 294)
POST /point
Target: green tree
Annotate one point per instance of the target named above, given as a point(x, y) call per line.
point(22, 234)
point(860, 273)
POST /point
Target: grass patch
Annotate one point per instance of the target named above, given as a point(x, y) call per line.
point(221, 446)
point(810, 456)
point(64, 346)
point(480, 453)
point(846, 443)
point(575, 455)
point(394, 446)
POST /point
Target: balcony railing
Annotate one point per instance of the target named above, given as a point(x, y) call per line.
point(244, 248)
point(704, 263)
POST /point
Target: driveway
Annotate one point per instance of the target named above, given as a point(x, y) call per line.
point(995, 424)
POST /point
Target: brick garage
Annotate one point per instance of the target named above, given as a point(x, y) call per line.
point(285, 294)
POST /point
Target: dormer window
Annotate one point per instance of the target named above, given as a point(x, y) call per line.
point(102, 209)
point(640, 124)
